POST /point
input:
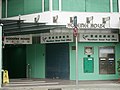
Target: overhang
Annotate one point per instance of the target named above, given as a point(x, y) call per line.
point(19, 27)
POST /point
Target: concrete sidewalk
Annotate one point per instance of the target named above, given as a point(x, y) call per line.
point(50, 84)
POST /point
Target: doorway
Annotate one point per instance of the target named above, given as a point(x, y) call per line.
point(57, 61)
point(14, 60)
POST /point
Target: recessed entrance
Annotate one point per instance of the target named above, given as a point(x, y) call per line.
point(14, 60)
point(57, 61)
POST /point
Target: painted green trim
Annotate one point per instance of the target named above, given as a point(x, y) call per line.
point(46, 5)
point(81, 55)
point(55, 4)
point(36, 59)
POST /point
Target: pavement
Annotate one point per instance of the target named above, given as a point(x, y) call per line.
point(56, 84)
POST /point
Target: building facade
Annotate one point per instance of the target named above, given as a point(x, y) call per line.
point(53, 54)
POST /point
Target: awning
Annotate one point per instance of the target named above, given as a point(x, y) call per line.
point(19, 27)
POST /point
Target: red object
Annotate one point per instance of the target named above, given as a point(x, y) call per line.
point(75, 31)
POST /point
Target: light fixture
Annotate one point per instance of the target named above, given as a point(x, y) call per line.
point(36, 19)
point(104, 20)
point(55, 19)
point(71, 19)
point(89, 19)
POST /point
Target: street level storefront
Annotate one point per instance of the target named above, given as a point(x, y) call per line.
point(97, 54)
point(48, 50)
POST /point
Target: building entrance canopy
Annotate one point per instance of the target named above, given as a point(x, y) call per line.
point(19, 27)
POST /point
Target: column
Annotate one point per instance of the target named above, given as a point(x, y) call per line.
point(43, 6)
point(60, 5)
point(119, 5)
point(0, 55)
point(50, 5)
point(111, 6)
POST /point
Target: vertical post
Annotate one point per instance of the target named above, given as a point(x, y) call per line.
point(6, 14)
point(111, 6)
point(0, 55)
point(59, 5)
point(75, 32)
point(119, 5)
point(119, 25)
point(76, 39)
point(43, 6)
point(50, 5)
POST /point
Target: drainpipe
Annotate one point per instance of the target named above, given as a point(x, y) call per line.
point(111, 6)
point(0, 9)
point(6, 9)
point(43, 6)
point(60, 5)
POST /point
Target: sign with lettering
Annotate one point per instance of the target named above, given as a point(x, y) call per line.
point(21, 39)
point(94, 26)
point(56, 37)
point(98, 37)
point(87, 25)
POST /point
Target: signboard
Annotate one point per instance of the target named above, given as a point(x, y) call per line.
point(87, 25)
point(93, 26)
point(75, 31)
point(56, 37)
point(98, 38)
point(21, 39)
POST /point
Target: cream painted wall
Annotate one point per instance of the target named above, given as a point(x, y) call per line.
point(64, 18)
